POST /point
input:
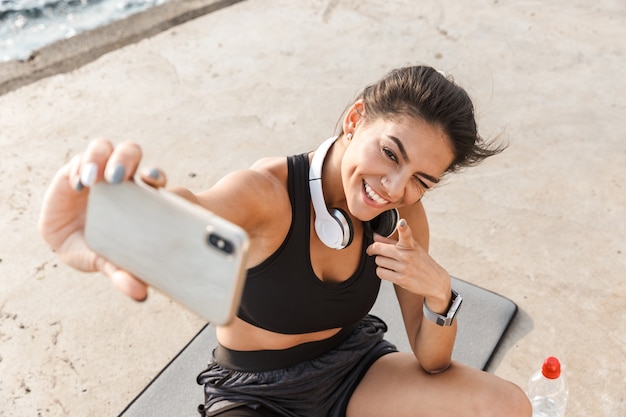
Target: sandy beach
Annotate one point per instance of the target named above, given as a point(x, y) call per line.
point(543, 224)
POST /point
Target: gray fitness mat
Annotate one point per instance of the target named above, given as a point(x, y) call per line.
point(483, 319)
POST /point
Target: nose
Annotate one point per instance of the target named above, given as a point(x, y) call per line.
point(401, 187)
point(394, 186)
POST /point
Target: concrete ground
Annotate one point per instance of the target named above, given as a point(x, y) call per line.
point(543, 224)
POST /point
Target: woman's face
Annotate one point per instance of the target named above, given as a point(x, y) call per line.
point(391, 163)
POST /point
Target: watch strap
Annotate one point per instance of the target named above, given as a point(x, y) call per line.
point(447, 318)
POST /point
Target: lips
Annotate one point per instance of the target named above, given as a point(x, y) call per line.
point(372, 195)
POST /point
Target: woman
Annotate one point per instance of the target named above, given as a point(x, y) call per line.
point(302, 343)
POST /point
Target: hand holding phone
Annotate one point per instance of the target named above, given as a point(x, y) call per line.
point(183, 250)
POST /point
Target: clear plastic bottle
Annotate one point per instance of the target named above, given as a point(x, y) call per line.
point(547, 390)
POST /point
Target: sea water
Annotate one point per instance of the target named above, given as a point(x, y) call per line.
point(28, 25)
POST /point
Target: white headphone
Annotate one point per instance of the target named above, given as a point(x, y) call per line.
point(333, 226)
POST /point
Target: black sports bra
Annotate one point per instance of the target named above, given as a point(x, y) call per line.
point(283, 294)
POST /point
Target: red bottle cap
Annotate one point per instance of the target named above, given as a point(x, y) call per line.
point(551, 368)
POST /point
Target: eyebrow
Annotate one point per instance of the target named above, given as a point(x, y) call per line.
point(405, 156)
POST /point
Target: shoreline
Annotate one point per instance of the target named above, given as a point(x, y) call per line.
point(68, 54)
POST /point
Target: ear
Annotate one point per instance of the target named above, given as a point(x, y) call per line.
point(355, 113)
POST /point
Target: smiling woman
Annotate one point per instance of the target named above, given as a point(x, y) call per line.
point(28, 25)
point(303, 342)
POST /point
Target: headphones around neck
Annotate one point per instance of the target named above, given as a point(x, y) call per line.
point(333, 226)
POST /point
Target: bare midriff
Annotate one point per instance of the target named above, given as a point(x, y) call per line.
point(243, 336)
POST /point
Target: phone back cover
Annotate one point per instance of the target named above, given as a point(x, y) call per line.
point(163, 241)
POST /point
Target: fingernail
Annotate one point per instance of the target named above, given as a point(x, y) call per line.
point(115, 173)
point(154, 173)
point(402, 223)
point(77, 185)
point(88, 174)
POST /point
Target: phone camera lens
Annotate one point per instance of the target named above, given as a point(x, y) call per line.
point(220, 243)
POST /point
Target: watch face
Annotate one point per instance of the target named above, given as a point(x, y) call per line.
point(456, 304)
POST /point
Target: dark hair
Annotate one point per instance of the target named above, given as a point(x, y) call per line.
point(421, 91)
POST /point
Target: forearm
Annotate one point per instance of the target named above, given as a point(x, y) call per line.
point(433, 345)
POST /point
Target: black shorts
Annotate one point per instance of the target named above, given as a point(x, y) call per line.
point(318, 386)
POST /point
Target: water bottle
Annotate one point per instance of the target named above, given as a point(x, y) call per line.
point(547, 390)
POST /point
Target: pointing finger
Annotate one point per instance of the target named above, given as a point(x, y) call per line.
point(405, 235)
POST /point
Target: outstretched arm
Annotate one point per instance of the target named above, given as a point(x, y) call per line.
point(240, 197)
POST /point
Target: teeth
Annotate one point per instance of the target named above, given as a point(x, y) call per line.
point(372, 194)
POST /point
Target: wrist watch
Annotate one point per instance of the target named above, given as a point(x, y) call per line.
point(446, 318)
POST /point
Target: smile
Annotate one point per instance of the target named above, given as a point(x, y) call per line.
point(373, 195)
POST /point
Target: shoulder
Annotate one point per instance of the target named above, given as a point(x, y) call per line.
point(250, 196)
point(267, 178)
point(274, 169)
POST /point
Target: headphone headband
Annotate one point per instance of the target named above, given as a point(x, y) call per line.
point(333, 228)
point(315, 170)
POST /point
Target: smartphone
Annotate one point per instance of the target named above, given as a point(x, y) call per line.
point(183, 250)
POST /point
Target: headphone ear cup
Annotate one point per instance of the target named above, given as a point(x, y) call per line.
point(345, 225)
point(384, 224)
point(334, 228)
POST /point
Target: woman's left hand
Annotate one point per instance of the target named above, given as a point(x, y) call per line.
point(405, 263)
